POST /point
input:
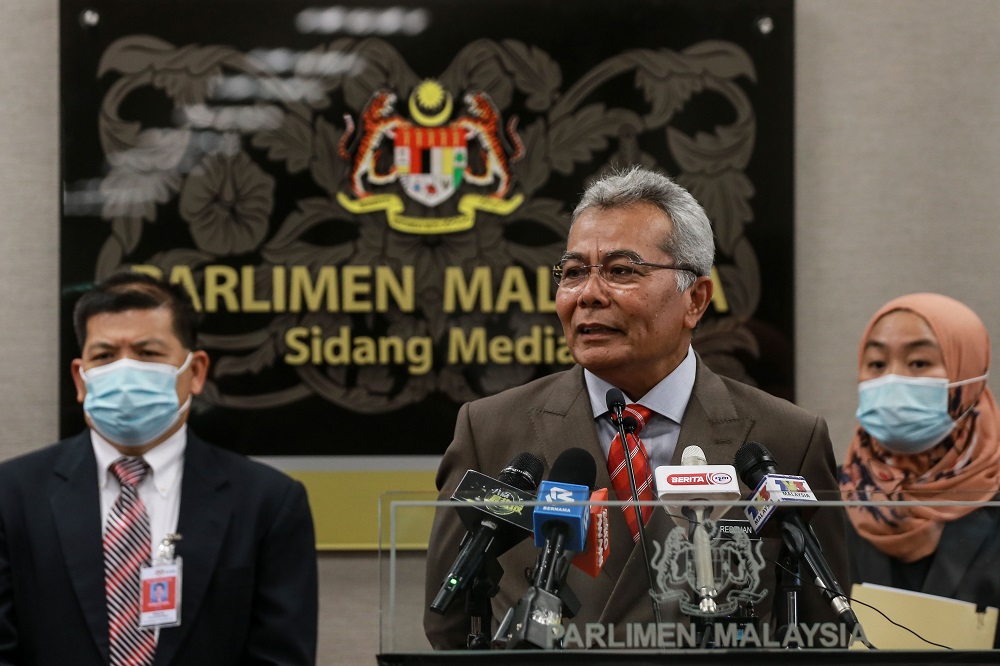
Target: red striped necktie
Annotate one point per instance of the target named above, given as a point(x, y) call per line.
point(126, 551)
point(640, 467)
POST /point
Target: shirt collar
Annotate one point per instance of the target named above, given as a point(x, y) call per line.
point(668, 398)
point(164, 459)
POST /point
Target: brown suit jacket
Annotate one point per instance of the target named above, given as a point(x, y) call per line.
point(552, 414)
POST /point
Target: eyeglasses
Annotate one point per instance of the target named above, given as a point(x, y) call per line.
point(618, 272)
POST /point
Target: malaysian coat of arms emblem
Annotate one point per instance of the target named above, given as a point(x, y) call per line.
point(737, 563)
point(430, 158)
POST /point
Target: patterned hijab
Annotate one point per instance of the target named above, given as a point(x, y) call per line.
point(964, 466)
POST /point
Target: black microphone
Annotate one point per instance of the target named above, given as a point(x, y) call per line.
point(560, 530)
point(626, 423)
point(755, 465)
point(615, 400)
point(492, 535)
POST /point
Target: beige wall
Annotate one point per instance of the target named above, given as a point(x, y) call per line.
point(897, 164)
point(29, 223)
point(897, 190)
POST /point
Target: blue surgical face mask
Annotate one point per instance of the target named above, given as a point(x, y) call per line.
point(131, 402)
point(907, 414)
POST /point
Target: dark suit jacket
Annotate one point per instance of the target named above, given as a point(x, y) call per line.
point(249, 589)
point(966, 564)
point(552, 414)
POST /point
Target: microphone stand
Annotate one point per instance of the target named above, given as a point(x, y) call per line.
point(482, 588)
point(788, 579)
point(618, 409)
point(530, 624)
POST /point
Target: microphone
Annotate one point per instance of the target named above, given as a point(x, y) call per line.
point(598, 546)
point(615, 400)
point(758, 470)
point(696, 480)
point(494, 527)
point(559, 530)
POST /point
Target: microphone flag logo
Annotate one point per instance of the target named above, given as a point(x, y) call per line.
point(493, 497)
point(772, 490)
point(557, 494)
point(565, 503)
point(700, 479)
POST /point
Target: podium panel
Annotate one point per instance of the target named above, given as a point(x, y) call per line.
point(689, 658)
point(711, 584)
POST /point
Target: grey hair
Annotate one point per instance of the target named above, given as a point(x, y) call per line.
point(691, 244)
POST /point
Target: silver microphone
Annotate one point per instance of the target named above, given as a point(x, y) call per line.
point(701, 539)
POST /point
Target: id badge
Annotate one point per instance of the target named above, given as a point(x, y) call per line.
point(160, 603)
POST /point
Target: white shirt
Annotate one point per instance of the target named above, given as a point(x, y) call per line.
point(668, 400)
point(160, 489)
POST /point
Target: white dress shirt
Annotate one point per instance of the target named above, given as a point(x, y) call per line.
point(668, 400)
point(160, 489)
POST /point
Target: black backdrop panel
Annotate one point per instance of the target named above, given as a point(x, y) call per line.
point(365, 198)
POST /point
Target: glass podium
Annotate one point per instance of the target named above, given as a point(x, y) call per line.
point(713, 591)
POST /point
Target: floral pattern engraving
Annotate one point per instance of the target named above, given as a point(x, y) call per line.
point(225, 170)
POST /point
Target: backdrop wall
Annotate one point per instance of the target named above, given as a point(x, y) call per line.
point(897, 156)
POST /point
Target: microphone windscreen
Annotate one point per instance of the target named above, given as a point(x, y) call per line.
point(752, 462)
point(524, 472)
point(615, 398)
point(574, 466)
point(629, 423)
point(693, 455)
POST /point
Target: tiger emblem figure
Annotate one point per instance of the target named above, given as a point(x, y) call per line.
point(482, 126)
point(378, 122)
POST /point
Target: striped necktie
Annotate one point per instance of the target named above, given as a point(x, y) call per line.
point(640, 467)
point(126, 551)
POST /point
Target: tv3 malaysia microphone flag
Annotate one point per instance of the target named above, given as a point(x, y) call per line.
point(772, 490)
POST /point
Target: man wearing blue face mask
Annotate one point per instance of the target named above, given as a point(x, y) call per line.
point(79, 560)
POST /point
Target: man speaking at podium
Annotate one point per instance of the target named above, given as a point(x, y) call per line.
point(633, 283)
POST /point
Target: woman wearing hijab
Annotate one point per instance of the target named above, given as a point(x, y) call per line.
point(928, 432)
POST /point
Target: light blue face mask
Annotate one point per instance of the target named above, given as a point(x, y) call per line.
point(907, 414)
point(131, 402)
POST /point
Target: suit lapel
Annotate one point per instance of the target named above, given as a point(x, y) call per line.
point(630, 600)
point(565, 420)
point(205, 511)
point(711, 422)
point(76, 509)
